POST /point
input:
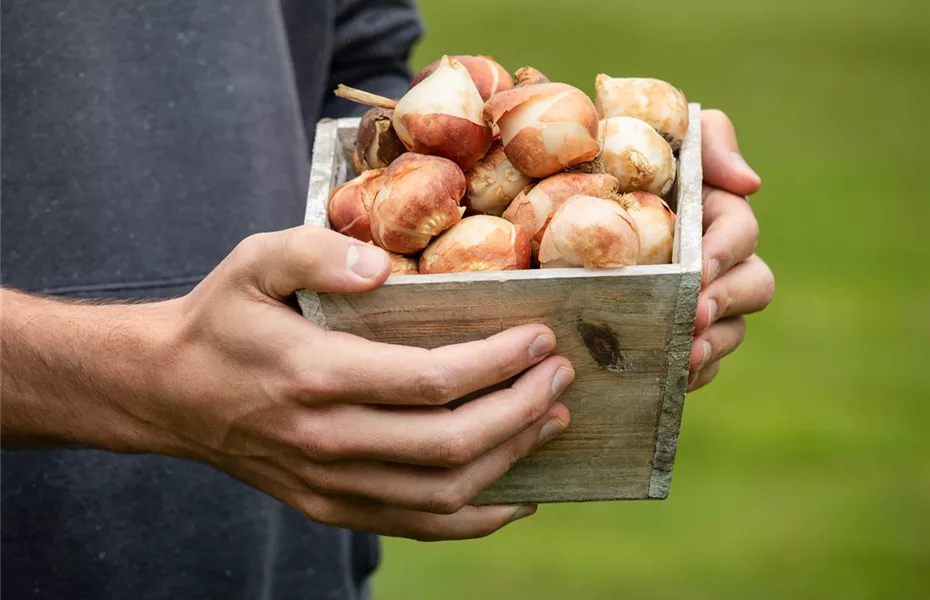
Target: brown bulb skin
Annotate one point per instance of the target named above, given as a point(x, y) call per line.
point(376, 142)
point(489, 76)
point(420, 199)
point(350, 204)
point(478, 243)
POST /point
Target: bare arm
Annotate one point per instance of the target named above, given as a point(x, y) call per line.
point(70, 369)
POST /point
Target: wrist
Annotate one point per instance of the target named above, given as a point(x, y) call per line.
point(75, 374)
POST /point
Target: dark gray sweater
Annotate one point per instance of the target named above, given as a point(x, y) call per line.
point(142, 139)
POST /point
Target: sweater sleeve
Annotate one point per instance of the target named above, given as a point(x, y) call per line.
point(371, 50)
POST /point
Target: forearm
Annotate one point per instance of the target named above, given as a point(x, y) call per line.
point(71, 370)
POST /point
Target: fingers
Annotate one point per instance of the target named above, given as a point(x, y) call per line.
point(433, 490)
point(310, 257)
point(357, 370)
point(731, 233)
point(718, 341)
point(746, 288)
point(429, 436)
point(361, 515)
point(724, 166)
point(703, 377)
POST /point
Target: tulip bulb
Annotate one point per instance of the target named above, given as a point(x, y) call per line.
point(487, 74)
point(655, 223)
point(376, 142)
point(533, 208)
point(590, 232)
point(419, 200)
point(529, 76)
point(634, 153)
point(545, 127)
point(493, 183)
point(442, 116)
point(350, 204)
point(658, 103)
point(403, 265)
point(478, 243)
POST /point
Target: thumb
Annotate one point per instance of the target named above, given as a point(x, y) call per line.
point(724, 166)
point(313, 258)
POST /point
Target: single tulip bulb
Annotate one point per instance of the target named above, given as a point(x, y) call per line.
point(487, 74)
point(478, 243)
point(655, 222)
point(376, 142)
point(419, 200)
point(657, 102)
point(442, 116)
point(493, 184)
point(545, 127)
point(350, 204)
point(589, 232)
point(533, 208)
point(634, 153)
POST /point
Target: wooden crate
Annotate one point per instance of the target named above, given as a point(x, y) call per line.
point(627, 332)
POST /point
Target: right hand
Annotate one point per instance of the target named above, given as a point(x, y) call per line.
point(254, 389)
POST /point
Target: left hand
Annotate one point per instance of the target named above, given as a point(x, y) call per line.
point(735, 280)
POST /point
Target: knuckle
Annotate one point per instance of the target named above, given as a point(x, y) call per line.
point(457, 449)
point(299, 252)
point(434, 385)
point(448, 498)
point(318, 443)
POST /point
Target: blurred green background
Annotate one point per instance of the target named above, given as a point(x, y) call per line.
point(804, 470)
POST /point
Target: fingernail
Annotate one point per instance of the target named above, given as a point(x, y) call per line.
point(523, 511)
point(711, 311)
point(706, 355)
point(713, 269)
point(552, 428)
point(365, 261)
point(563, 377)
point(693, 379)
point(740, 163)
point(542, 345)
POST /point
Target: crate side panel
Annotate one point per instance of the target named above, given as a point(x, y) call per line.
point(614, 330)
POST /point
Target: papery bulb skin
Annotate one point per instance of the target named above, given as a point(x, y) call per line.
point(529, 76)
point(493, 184)
point(590, 232)
point(533, 208)
point(545, 127)
point(442, 116)
point(420, 199)
point(350, 204)
point(656, 102)
point(478, 243)
point(403, 265)
point(376, 142)
point(655, 222)
point(487, 74)
point(634, 153)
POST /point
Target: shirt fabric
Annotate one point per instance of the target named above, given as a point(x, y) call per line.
point(141, 141)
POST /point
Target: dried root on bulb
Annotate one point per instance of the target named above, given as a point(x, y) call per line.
point(493, 183)
point(634, 153)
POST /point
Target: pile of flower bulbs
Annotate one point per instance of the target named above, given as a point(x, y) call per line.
point(477, 170)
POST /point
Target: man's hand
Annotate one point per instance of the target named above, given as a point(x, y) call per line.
point(735, 280)
point(351, 433)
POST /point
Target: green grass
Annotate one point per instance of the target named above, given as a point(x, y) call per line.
point(804, 470)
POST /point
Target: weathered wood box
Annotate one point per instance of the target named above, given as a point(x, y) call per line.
point(627, 332)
